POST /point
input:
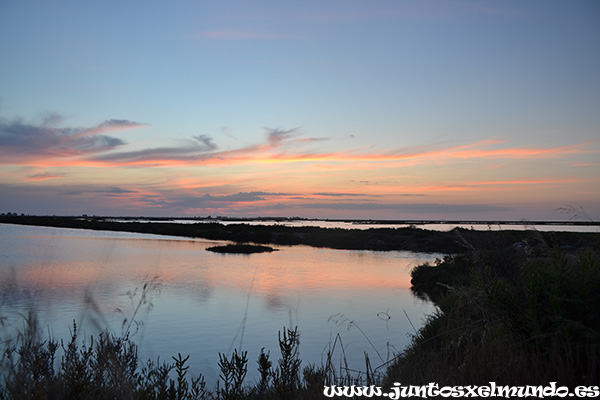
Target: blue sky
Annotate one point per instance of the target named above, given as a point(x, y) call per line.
point(354, 109)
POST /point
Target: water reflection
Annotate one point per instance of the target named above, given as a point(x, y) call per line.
point(203, 303)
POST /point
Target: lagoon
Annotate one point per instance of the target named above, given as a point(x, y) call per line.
point(202, 303)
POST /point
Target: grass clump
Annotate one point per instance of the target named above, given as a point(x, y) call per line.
point(108, 367)
point(512, 316)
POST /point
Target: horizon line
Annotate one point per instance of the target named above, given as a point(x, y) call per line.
point(357, 221)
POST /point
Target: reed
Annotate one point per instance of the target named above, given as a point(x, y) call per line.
point(108, 367)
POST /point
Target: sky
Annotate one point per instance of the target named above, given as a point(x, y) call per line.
point(376, 109)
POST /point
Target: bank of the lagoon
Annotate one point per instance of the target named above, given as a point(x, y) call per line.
point(518, 315)
point(407, 238)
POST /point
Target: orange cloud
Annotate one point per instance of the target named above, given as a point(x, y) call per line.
point(264, 155)
point(474, 185)
point(44, 176)
point(527, 182)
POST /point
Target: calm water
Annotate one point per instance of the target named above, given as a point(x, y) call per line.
point(205, 303)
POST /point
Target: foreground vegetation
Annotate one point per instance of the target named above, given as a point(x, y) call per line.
point(108, 367)
point(528, 314)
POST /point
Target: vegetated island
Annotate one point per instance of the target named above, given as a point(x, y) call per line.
point(241, 248)
point(412, 238)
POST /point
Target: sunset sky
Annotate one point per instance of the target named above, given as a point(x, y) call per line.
point(329, 109)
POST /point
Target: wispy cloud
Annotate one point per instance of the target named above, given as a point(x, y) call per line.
point(202, 151)
point(488, 149)
point(373, 158)
point(341, 194)
point(192, 201)
point(111, 125)
point(499, 185)
point(525, 182)
point(432, 208)
point(44, 176)
point(28, 144)
point(113, 190)
point(190, 152)
point(276, 137)
point(237, 197)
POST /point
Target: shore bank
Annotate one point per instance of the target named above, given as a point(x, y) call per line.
point(518, 315)
point(455, 241)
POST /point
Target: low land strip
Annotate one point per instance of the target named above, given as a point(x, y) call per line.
point(455, 241)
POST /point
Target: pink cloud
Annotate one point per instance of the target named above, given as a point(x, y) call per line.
point(44, 176)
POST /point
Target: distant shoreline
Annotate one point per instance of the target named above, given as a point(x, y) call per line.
point(349, 221)
point(218, 219)
point(409, 238)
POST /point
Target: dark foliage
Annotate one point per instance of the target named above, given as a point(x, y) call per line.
point(524, 314)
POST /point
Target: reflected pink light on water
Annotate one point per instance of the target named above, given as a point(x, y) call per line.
point(203, 301)
point(268, 273)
